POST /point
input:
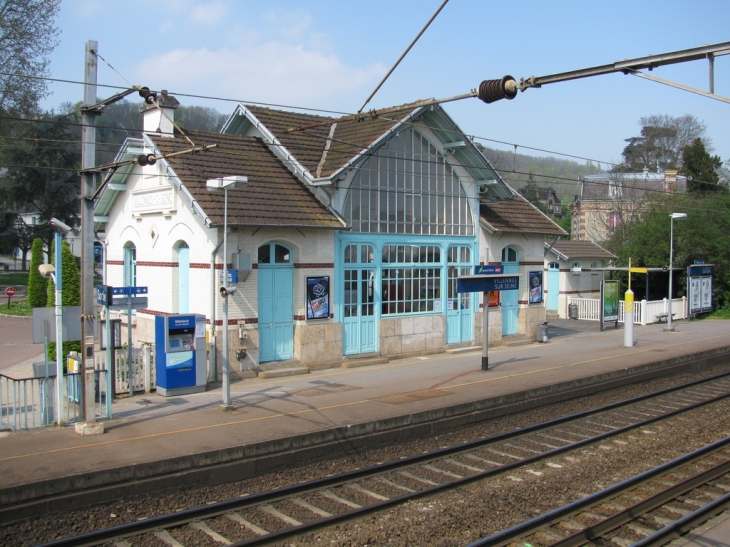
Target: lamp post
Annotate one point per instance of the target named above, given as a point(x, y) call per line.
point(670, 327)
point(56, 274)
point(225, 291)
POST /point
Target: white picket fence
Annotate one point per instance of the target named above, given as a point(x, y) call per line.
point(143, 369)
point(645, 312)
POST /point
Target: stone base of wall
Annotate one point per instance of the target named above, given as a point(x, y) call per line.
point(408, 336)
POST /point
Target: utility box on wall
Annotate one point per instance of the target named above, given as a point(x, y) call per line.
point(180, 354)
point(243, 262)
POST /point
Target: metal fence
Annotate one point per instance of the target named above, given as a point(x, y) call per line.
point(143, 369)
point(645, 312)
point(28, 403)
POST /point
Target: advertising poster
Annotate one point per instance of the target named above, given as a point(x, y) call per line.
point(535, 287)
point(706, 293)
point(695, 305)
point(493, 299)
point(318, 297)
point(609, 300)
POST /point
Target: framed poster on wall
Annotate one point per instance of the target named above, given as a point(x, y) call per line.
point(318, 297)
point(535, 287)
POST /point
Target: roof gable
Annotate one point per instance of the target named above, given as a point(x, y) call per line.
point(570, 249)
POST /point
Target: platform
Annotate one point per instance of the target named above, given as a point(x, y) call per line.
point(188, 440)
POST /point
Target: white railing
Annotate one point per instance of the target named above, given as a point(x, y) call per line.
point(143, 369)
point(645, 312)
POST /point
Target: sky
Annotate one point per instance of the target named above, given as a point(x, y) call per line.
point(330, 55)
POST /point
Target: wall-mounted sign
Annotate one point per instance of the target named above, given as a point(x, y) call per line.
point(153, 200)
point(318, 297)
point(535, 282)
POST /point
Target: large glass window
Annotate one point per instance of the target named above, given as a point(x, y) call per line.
point(413, 286)
point(408, 188)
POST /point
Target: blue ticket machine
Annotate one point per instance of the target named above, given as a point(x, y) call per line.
point(180, 357)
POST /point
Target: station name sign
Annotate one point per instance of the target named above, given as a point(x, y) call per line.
point(487, 283)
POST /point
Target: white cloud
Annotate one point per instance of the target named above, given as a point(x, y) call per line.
point(209, 14)
point(271, 72)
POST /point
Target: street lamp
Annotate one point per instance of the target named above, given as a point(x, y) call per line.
point(55, 273)
point(225, 291)
point(670, 327)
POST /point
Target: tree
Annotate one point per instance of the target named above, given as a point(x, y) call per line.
point(70, 290)
point(27, 37)
point(37, 284)
point(701, 169)
point(703, 235)
point(662, 139)
point(42, 175)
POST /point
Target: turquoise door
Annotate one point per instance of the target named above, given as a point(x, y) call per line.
point(553, 286)
point(276, 308)
point(459, 313)
point(183, 277)
point(510, 299)
point(359, 320)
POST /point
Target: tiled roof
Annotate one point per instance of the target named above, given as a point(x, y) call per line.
point(581, 249)
point(517, 215)
point(272, 197)
point(309, 146)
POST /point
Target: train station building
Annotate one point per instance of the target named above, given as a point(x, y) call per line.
point(345, 243)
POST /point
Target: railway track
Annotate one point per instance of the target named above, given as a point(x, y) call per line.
point(270, 517)
point(650, 509)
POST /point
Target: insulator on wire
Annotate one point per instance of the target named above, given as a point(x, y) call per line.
point(494, 90)
point(148, 96)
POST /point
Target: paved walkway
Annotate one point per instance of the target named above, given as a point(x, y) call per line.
point(151, 435)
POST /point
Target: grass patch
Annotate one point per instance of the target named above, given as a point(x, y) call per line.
point(19, 307)
point(723, 313)
point(14, 278)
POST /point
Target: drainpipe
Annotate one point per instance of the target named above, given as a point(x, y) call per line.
point(212, 368)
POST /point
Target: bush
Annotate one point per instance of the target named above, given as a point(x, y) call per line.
point(70, 292)
point(37, 284)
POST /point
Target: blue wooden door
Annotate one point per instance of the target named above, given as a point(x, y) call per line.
point(510, 299)
point(276, 305)
point(459, 312)
point(360, 326)
point(553, 286)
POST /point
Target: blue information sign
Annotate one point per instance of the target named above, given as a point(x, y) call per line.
point(488, 269)
point(103, 295)
point(119, 291)
point(487, 283)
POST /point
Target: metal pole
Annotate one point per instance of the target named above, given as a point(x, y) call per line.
point(130, 367)
point(226, 404)
point(60, 387)
point(671, 252)
point(485, 333)
point(88, 152)
point(109, 368)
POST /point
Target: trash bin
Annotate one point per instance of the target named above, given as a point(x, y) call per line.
point(572, 311)
point(542, 332)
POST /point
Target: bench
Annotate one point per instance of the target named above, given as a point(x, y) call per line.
point(663, 317)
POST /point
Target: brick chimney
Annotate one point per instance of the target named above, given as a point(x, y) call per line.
point(670, 180)
point(153, 119)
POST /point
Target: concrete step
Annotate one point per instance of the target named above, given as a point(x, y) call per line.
point(515, 340)
point(281, 372)
point(354, 361)
point(465, 349)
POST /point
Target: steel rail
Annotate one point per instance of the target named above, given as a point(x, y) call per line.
point(221, 508)
point(598, 530)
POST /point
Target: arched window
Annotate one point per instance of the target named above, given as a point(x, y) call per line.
point(183, 277)
point(273, 253)
point(130, 265)
point(509, 254)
